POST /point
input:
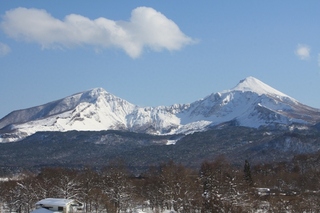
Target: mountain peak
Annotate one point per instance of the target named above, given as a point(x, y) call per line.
point(253, 84)
point(98, 90)
point(95, 92)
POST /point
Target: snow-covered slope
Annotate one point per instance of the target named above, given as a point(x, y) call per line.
point(251, 103)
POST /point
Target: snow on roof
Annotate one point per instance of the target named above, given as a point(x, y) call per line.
point(54, 201)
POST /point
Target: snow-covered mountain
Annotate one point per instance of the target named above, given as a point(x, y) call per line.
point(251, 103)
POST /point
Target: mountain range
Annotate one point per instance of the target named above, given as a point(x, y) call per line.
point(251, 103)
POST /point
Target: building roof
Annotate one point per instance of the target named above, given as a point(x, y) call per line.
point(54, 201)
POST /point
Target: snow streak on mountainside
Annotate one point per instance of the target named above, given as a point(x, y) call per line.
point(251, 103)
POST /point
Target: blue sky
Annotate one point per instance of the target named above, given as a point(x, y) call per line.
point(153, 53)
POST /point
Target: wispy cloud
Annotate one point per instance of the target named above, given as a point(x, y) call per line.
point(303, 51)
point(4, 49)
point(147, 28)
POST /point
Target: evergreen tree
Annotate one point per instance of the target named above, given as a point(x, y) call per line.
point(247, 173)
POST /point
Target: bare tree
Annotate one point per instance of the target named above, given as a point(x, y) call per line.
point(20, 195)
point(89, 191)
point(220, 187)
point(117, 186)
point(179, 187)
point(67, 184)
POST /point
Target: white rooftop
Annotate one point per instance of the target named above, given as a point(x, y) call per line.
point(54, 201)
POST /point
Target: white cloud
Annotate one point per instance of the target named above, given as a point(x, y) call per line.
point(146, 28)
point(4, 49)
point(303, 51)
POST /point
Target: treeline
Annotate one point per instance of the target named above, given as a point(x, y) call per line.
point(216, 187)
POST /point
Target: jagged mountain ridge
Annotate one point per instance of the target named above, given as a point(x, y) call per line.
point(251, 103)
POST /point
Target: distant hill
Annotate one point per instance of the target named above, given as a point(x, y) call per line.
point(97, 149)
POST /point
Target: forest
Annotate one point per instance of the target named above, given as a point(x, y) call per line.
point(217, 186)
